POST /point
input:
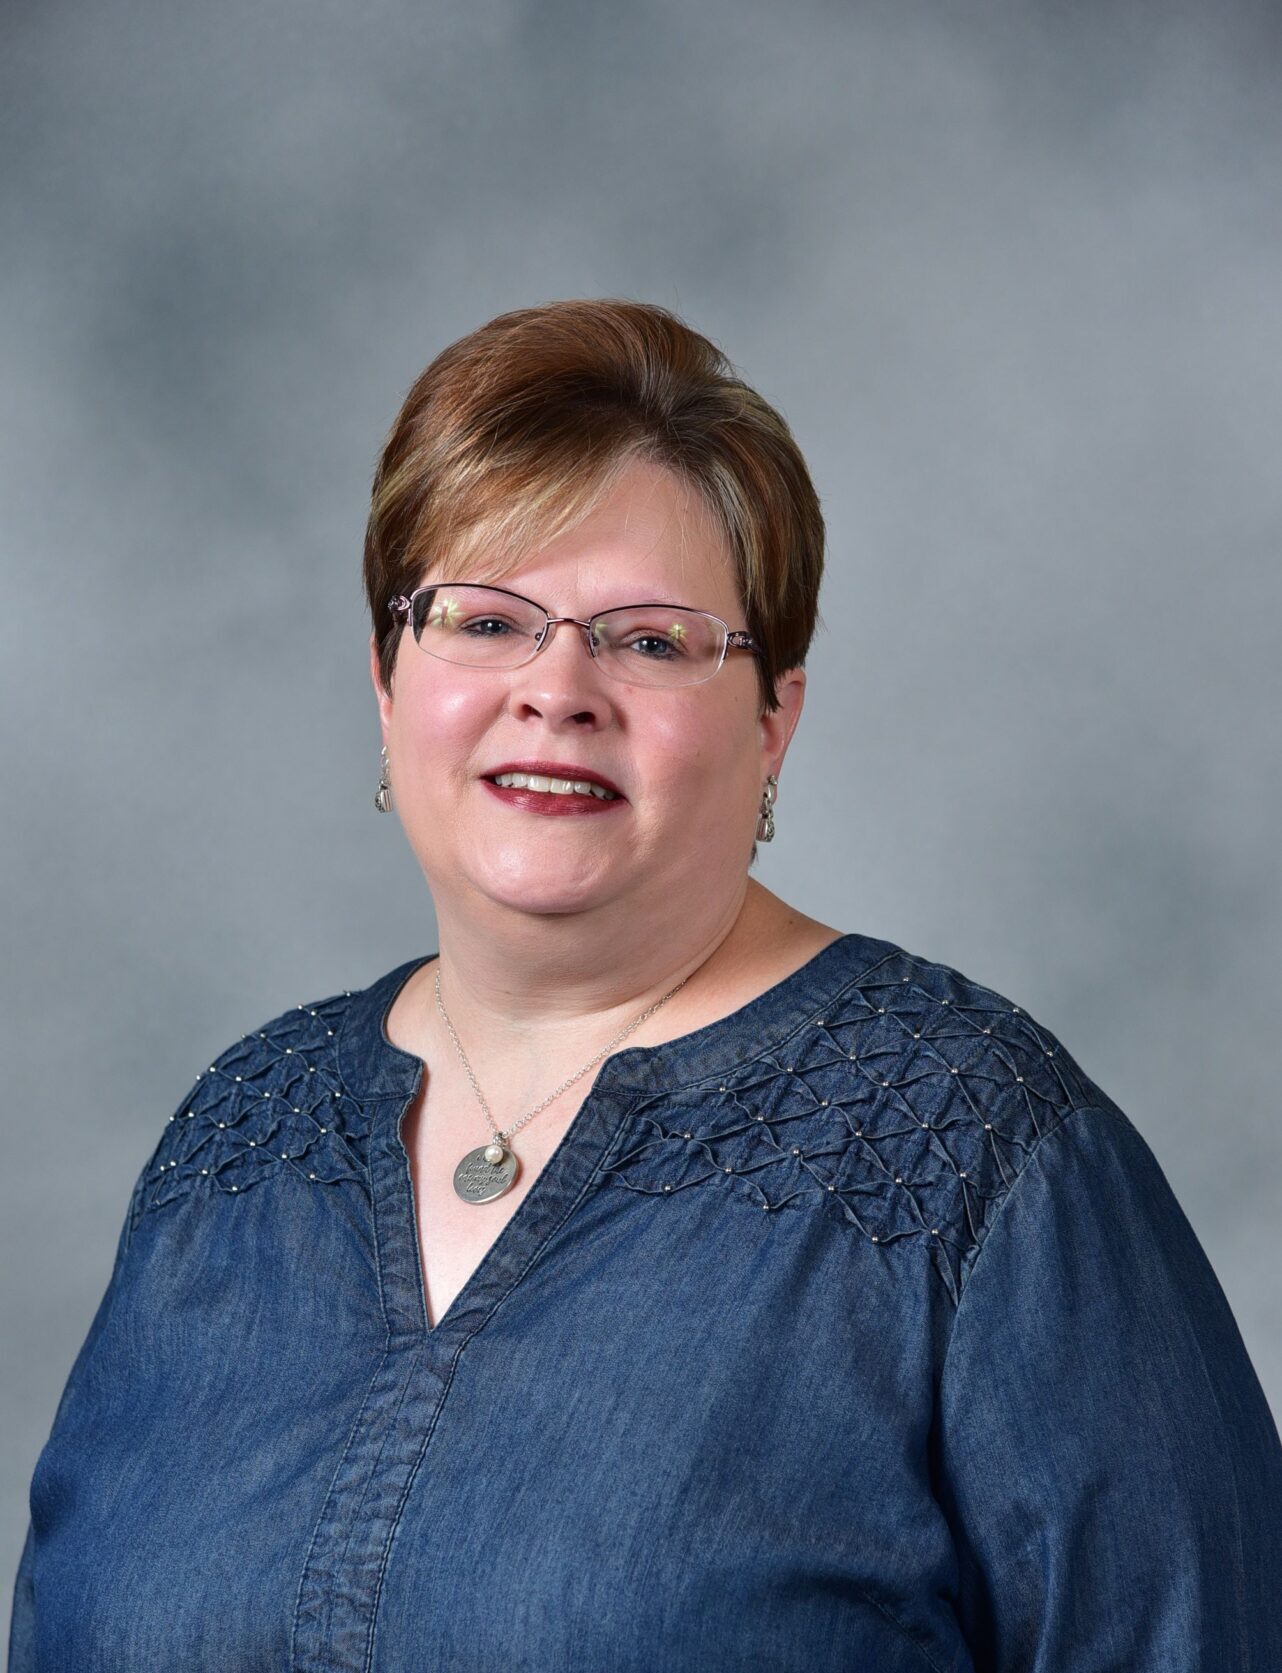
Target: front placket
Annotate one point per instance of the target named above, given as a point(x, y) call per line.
point(338, 1592)
point(336, 1616)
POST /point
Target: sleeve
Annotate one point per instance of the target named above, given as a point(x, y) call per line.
point(22, 1618)
point(1106, 1457)
point(22, 1654)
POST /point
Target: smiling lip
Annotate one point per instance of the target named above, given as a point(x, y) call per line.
point(556, 769)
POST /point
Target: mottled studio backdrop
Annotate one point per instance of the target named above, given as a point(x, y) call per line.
point(1013, 273)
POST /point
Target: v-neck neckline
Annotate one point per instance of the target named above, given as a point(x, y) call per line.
point(386, 1075)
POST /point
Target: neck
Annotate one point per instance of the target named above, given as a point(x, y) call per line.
point(527, 1003)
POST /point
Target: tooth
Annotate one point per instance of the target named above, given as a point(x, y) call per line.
point(554, 786)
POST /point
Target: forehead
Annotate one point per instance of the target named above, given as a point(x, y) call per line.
point(651, 535)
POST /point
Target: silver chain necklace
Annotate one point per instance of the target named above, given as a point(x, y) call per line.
point(490, 1170)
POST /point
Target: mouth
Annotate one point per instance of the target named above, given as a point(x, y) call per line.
point(555, 778)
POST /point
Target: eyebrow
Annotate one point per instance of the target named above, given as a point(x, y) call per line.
point(664, 603)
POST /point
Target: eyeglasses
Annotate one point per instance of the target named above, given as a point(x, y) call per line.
point(639, 644)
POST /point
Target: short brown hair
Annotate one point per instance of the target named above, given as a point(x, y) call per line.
point(516, 431)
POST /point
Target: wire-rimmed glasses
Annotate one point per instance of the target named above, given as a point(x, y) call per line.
point(640, 644)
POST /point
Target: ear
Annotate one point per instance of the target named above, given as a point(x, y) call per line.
point(384, 697)
point(776, 726)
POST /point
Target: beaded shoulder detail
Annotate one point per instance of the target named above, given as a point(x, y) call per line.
point(273, 1103)
point(906, 1108)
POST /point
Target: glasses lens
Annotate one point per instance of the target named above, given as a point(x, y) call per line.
point(476, 625)
point(658, 644)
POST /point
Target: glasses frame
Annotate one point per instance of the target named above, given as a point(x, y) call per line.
point(732, 638)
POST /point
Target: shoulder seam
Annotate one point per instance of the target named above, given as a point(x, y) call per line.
point(1034, 1156)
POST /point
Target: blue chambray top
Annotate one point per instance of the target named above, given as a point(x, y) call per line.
point(858, 1329)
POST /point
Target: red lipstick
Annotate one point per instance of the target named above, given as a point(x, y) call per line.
point(556, 769)
point(554, 803)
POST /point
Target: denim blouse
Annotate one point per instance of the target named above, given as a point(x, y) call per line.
point(856, 1330)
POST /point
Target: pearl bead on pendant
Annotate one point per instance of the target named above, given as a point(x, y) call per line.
point(485, 1173)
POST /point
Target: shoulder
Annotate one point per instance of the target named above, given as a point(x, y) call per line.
point(922, 1018)
point(957, 1085)
point(901, 1097)
point(956, 1088)
point(273, 1102)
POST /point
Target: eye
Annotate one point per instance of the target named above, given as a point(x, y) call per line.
point(449, 613)
point(670, 640)
point(667, 650)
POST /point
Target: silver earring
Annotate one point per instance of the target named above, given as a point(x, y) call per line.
point(383, 795)
point(765, 818)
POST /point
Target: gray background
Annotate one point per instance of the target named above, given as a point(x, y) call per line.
point(1012, 274)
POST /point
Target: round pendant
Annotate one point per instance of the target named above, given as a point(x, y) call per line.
point(476, 1179)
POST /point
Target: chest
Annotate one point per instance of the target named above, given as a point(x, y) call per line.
point(441, 1125)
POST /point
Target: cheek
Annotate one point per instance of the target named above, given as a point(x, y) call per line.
point(440, 725)
point(701, 753)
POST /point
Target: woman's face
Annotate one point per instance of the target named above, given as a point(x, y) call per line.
point(690, 761)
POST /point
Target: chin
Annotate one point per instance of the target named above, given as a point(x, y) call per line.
point(541, 890)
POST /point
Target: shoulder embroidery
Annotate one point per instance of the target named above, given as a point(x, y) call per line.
point(907, 1108)
point(273, 1103)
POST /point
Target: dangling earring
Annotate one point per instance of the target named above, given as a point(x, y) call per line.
point(765, 818)
point(383, 796)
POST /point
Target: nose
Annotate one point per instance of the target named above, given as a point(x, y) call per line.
point(562, 679)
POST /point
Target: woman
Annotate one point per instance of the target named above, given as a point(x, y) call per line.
point(653, 1276)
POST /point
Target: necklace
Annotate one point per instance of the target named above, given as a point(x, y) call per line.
point(490, 1170)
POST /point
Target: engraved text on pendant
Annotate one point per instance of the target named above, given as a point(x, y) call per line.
point(477, 1180)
